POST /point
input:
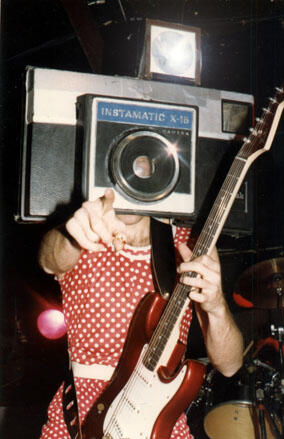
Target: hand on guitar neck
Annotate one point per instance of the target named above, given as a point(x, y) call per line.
point(207, 286)
point(222, 337)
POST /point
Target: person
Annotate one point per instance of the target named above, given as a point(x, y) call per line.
point(102, 262)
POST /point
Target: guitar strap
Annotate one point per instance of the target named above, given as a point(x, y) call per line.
point(163, 256)
point(70, 405)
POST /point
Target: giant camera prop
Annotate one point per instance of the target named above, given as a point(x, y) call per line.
point(164, 148)
point(144, 151)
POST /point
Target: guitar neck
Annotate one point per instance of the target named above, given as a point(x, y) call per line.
point(258, 142)
point(221, 208)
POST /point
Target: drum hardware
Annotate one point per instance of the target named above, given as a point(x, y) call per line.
point(272, 385)
point(197, 408)
point(278, 334)
point(205, 395)
point(256, 409)
point(257, 362)
point(246, 410)
point(264, 408)
point(259, 283)
point(260, 408)
point(277, 331)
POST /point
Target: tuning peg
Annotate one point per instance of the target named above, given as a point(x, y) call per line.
point(253, 131)
point(279, 89)
point(246, 140)
point(256, 132)
point(273, 100)
point(258, 120)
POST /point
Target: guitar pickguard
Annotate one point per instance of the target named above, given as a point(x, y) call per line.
point(134, 411)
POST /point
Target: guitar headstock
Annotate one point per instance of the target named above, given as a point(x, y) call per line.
point(261, 136)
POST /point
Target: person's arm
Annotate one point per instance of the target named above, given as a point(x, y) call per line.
point(94, 222)
point(58, 252)
point(223, 339)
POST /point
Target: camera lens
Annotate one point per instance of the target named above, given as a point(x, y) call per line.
point(144, 165)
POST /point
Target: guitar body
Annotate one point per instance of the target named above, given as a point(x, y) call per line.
point(150, 408)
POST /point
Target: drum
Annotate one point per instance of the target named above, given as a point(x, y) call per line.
point(236, 420)
point(236, 415)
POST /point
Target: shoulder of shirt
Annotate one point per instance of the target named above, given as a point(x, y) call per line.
point(181, 234)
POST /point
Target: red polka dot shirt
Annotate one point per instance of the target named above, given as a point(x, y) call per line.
point(100, 295)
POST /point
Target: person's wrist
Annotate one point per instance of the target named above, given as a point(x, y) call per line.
point(219, 311)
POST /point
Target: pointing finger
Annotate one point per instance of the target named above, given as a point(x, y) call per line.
point(107, 200)
point(75, 230)
point(81, 217)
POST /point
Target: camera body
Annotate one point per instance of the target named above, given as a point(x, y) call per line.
point(59, 120)
point(145, 151)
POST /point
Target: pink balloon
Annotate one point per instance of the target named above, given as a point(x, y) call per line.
point(51, 324)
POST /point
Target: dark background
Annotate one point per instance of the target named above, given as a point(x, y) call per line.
point(242, 51)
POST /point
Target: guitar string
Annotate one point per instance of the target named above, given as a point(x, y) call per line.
point(217, 213)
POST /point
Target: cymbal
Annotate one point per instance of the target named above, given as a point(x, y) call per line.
point(263, 284)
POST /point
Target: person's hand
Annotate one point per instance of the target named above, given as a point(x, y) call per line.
point(96, 222)
point(207, 286)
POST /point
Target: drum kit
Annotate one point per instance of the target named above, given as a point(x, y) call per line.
point(250, 405)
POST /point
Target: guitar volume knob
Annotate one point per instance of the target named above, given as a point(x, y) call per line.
point(100, 407)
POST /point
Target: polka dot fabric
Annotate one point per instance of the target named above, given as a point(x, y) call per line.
point(99, 297)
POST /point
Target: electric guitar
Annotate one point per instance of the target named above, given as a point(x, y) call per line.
point(152, 385)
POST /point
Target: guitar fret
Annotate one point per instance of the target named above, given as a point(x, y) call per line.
point(241, 158)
